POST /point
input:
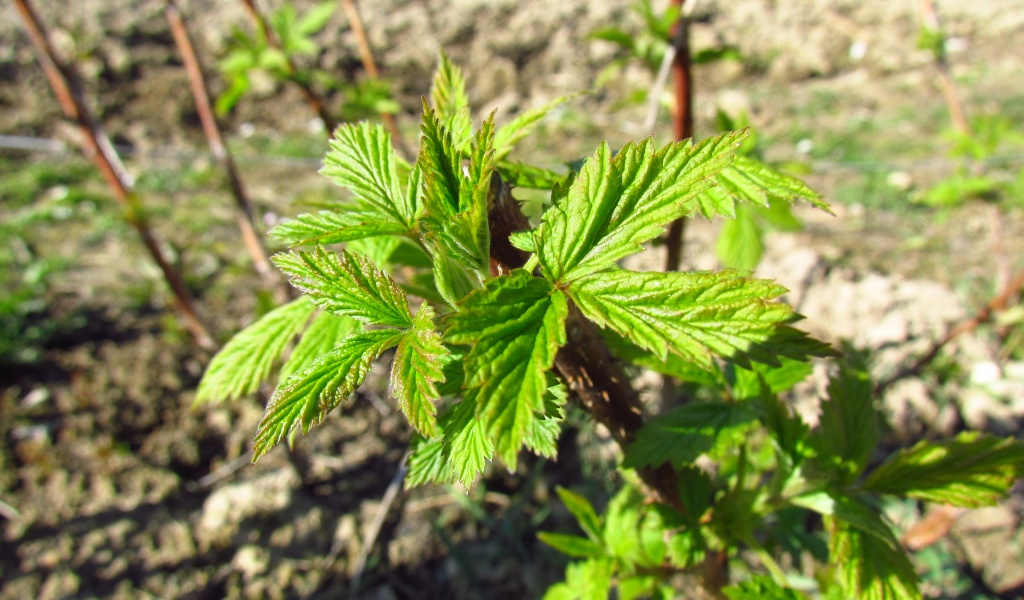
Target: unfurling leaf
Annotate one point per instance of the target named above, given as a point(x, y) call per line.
point(347, 285)
point(448, 97)
point(245, 362)
point(305, 399)
point(514, 326)
point(417, 367)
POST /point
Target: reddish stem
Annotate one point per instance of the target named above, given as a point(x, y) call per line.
point(64, 80)
point(682, 120)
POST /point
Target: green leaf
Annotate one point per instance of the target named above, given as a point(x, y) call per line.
point(324, 334)
point(457, 205)
point(682, 369)
point(618, 203)
point(305, 398)
point(696, 315)
point(571, 545)
point(427, 463)
point(584, 512)
point(448, 97)
point(452, 280)
point(850, 510)
point(761, 587)
point(541, 436)
point(751, 181)
point(869, 568)
point(622, 530)
point(333, 227)
point(347, 285)
point(971, 470)
point(316, 19)
point(521, 175)
point(363, 160)
point(467, 446)
point(511, 133)
point(245, 362)
point(848, 427)
point(515, 326)
point(417, 367)
point(741, 241)
point(681, 435)
point(589, 580)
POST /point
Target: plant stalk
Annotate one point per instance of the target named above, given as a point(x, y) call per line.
point(585, 363)
point(956, 110)
point(312, 98)
point(64, 82)
point(244, 211)
point(682, 122)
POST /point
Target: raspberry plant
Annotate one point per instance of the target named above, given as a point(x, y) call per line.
point(498, 322)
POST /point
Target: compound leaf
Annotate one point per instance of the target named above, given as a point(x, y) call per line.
point(334, 227)
point(245, 362)
point(347, 285)
point(515, 325)
point(418, 366)
point(619, 202)
point(324, 334)
point(696, 315)
point(363, 160)
point(970, 470)
point(305, 399)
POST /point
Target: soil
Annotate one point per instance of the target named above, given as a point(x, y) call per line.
point(122, 490)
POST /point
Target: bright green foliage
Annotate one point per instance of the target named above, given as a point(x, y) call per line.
point(682, 435)
point(518, 128)
point(305, 398)
point(848, 430)
point(971, 470)
point(473, 369)
point(456, 221)
point(751, 181)
point(331, 227)
point(448, 97)
point(869, 568)
point(514, 325)
point(695, 315)
point(761, 587)
point(618, 203)
point(363, 160)
point(417, 368)
point(325, 333)
point(347, 285)
point(246, 360)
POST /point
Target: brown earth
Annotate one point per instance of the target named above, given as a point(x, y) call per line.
point(105, 462)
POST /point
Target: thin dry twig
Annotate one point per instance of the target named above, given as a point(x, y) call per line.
point(245, 214)
point(63, 80)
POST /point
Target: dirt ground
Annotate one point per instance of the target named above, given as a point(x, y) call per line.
point(120, 489)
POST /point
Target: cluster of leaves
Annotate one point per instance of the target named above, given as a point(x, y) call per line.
point(248, 54)
point(475, 341)
point(760, 496)
point(650, 44)
point(976, 178)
